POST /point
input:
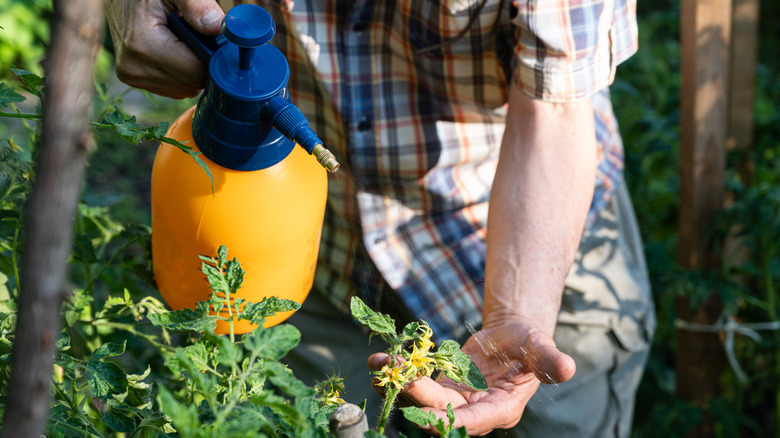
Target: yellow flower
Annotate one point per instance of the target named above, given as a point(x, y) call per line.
point(334, 399)
point(391, 375)
point(421, 361)
point(424, 341)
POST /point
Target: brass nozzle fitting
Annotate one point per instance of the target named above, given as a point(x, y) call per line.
point(326, 158)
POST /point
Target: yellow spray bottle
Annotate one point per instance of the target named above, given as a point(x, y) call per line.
point(268, 198)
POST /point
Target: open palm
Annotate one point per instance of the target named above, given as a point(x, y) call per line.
point(514, 357)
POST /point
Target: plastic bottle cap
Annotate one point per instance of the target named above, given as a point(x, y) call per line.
point(248, 26)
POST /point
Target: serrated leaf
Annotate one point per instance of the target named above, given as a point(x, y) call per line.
point(205, 382)
point(378, 323)
point(185, 319)
point(234, 275)
point(125, 126)
point(105, 378)
point(272, 343)
point(109, 349)
point(8, 95)
point(197, 354)
point(256, 313)
point(184, 416)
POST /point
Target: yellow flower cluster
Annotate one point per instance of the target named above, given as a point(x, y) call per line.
point(416, 364)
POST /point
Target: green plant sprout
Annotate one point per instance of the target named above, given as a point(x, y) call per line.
point(413, 357)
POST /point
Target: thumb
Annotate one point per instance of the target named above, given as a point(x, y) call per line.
point(205, 16)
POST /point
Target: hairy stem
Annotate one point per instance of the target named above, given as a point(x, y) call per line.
point(390, 396)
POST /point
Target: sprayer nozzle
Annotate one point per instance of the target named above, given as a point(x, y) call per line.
point(326, 158)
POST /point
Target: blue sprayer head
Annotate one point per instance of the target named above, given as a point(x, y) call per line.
point(245, 120)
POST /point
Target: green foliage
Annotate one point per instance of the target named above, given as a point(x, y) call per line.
point(24, 32)
point(646, 102)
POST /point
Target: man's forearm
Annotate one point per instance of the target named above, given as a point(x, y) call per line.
point(538, 206)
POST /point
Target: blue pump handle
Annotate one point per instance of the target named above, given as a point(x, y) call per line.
point(203, 46)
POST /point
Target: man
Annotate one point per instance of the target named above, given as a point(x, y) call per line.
point(433, 108)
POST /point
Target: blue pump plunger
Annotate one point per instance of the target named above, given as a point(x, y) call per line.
point(245, 120)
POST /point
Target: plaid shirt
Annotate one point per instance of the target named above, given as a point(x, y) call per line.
point(410, 95)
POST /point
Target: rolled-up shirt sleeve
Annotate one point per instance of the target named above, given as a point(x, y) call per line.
point(568, 50)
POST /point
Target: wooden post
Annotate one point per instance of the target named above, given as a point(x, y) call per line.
point(66, 136)
point(744, 56)
point(705, 29)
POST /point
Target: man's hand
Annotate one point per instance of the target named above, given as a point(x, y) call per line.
point(149, 55)
point(514, 358)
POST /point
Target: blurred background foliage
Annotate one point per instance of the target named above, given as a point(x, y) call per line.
point(646, 101)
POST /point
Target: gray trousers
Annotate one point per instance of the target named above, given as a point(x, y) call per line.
point(606, 324)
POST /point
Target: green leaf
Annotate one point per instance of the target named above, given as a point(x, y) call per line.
point(184, 416)
point(197, 320)
point(76, 305)
point(424, 418)
point(272, 343)
point(125, 126)
point(151, 425)
point(378, 323)
point(118, 417)
point(8, 95)
point(256, 313)
point(283, 378)
point(196, 353)
point(234, 275)
point(215, 277)
point(139, 393)
point(409, 331)
point(109, 349)
point(229, 353)
point(465, 370)
point(105, 378)
point(32, 82)
point(205, 382)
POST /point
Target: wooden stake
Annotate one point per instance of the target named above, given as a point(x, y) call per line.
point(705, 29)
point(66, 137)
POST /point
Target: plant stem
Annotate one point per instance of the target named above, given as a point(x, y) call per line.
point(390, 397)
point(35, 117)
point(14, 261)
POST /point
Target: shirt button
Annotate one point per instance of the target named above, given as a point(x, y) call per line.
point(365, 124)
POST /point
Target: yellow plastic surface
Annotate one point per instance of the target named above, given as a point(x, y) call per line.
point(270, 219)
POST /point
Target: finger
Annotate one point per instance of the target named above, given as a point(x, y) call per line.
point(550, 365)
point(483, 417)
point(205, 16)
